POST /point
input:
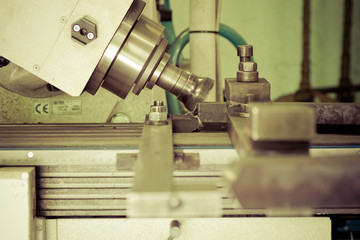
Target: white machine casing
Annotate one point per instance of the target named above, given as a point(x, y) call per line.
point(36, 35)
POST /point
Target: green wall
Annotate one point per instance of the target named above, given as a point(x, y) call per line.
point(274, 27)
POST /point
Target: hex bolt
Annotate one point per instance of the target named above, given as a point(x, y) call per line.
point(158, 113)
point(247, 69)
point(248, 66)
point(245, 52)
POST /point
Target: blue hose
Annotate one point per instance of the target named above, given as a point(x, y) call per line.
point(180, 42)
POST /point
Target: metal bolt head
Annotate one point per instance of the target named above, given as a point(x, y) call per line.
point(158, 112)
point(245, 50)
point(76, 28)
point(90, 36)
point(248, 66)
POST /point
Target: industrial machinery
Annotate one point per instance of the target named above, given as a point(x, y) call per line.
point(244, 168)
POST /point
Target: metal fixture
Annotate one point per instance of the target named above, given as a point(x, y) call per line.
point(175, 230)
point(158, 113)
point(247, 69)
point(84, 31)
point(141, 60)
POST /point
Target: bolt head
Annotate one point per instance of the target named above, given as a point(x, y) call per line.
point(76, 28)
point(248, 66)
point(245, 50)
point(158, 116)
point(90, 36)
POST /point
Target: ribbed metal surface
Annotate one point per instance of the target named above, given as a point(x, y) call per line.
point(104, 193)
point(70, 135)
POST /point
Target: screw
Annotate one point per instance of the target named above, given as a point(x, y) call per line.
point(90, 36)
point(36, 67)
point(76, 27)
point(30, 154)
point(38, 228)
point(63, 19)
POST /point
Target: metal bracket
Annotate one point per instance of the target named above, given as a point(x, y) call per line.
point(154, 194)
point(84, 31)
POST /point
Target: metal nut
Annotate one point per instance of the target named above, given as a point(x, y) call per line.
point(158, 116)
point(248, 66)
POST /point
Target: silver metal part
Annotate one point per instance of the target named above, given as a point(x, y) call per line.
point(141, 60)
point(154, 194)
point(282, 123)
point(84, 31)
point(247, 69)
point(158, 113)
point(245, 52)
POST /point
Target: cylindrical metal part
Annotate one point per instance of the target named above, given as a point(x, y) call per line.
point(141, 60)
point(247, 76)
point(188, 88)
point(245, 52)
point(169, 77)
point(133, 57)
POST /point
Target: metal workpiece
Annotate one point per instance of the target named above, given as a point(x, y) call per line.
point(280, 129)
point(189, 88)
point(213, 115)
point(158, 113)
point(136, 58)
point(282, 123)
point(184, 123)
point(240, 92)
point(247, 69)
point(296, 185)
point(245, 52)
